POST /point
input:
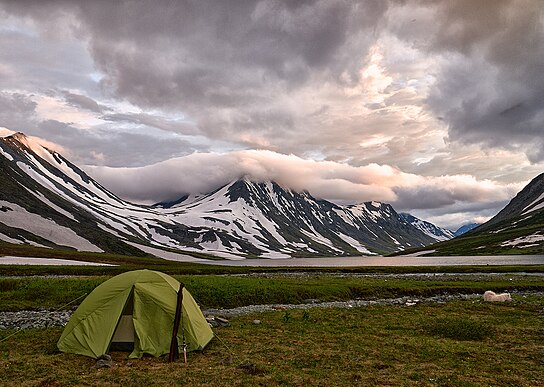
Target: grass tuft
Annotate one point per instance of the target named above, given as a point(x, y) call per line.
point(462, 329)
point(287, 316)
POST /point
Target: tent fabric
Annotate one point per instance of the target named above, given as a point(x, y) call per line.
point(153, 294)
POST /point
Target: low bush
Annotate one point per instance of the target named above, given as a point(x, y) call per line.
point(460, 329)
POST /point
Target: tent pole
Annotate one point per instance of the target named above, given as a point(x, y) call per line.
point(174, 350)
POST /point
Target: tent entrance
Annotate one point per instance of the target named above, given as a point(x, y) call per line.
point(123, 338)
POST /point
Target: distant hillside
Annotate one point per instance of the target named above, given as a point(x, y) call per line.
point(517, 229)
point(465, 228)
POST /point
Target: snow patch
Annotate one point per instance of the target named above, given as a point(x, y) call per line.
point(275, 255)
point(419, 253)
point(535, 237)
point(60, 210)
point(6, 238)
point(9, 260)
point(355, 244)
point(529, 209)
point(19, 217)
point(6, 155)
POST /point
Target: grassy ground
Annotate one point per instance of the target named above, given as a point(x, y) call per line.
point(464, 343)
point(231, 291)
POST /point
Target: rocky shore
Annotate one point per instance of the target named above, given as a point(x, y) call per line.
point(31, 319)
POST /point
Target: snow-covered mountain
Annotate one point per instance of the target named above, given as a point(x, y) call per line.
point(268, 220)
point(435, 232)
point(47, 201)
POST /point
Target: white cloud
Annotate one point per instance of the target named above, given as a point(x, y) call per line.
point(337, 182)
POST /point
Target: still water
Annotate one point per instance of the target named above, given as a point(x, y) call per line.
point(390, 261)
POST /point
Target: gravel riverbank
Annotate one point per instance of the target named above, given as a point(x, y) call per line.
point(28, 319)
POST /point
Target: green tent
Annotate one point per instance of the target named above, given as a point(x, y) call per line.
point(135, 310)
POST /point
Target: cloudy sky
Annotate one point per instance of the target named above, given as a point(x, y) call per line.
point(436, 107)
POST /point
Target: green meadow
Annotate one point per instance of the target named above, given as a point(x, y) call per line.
point(455, 343)
point(461, 343)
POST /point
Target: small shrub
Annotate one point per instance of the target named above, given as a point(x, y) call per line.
point(287, 316)
point(460, 329)
point(7, 285)
point(305, 316)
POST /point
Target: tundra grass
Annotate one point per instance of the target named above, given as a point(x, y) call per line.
point(179, 268)
point(230, 291)
point(377, 345)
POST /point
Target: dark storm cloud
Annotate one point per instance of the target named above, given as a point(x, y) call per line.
point(17, 111)
point(216, 53)
point(223, 63)
point(226, 63)
point(176, 126)
point(116, 148)
point(35, 60)
point(490, 89)
point(84, 102)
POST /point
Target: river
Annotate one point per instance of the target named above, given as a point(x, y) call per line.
point(388, 261)
point(318, 262)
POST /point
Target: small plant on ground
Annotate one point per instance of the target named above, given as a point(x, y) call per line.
point(460, 329)
point(287, 316)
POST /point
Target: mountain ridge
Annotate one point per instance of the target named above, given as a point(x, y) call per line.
point(435, 232)
point(241, 219)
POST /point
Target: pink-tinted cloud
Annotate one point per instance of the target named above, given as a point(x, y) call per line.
point(337, 182)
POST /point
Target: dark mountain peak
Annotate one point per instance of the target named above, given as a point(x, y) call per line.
point(171, 203)
point(239, 189)
point(19, 136)
point(21, 141)
point(18, 139)
point(17, 146)
point(255, 191)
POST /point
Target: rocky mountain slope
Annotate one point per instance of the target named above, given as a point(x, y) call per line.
point(47, 201)
point(435, 232)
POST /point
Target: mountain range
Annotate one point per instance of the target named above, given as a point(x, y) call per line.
point(47, 201)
